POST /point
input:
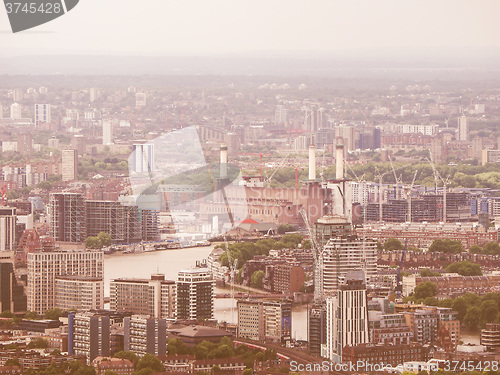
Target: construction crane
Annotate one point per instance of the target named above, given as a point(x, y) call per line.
point(380, 192)
point(269, 179)
point(317, 258)
point(410, 196)
point(437, 177)
point(399, 285)
point(396, 179)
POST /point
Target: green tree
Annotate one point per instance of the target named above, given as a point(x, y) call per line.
point(472, 318)
point(424, 290)
point(131, 356)
point(31, 315)
point(283, 228)
point(6, 314)
point(93, 242)
point(12, 362)
point(465, 268)
point(151, 362)
point(393, 244)
point(176, 346)
point(475, 249)
point(256, 279)
point(247, 371)
point(38, 343)
point(53, 314)
point(489, 311)
point(428, 273)
point(446, 246)
point(492, 248)
point(105, 238)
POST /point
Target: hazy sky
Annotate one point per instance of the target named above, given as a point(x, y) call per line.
point(185, 27)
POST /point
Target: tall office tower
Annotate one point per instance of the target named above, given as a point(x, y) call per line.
point(89, 335)
point(142, 335)
point(343, 254)
point(15, 111)
point(316, 332)
point(42, 114)
point(43, 90)
point(347, 317)
point(67, 217)
point(140, 99)
point(81, 293)
point(93, 94)
point(143, 156)
point(107, 133)
point(463, 129)
point(155, 297)
point(195, 294)
point(17, 95)
point(280, 115)
point(7, 228)
point(264, 320)
point(69, 165)
point(12, 296)
point(44, 268)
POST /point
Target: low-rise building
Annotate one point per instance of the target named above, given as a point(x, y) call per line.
point(387, 354)
point(119, 366)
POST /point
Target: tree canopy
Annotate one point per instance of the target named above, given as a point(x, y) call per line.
point(465, 268)
point(446, 246)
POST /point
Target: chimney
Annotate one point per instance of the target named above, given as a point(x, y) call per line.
point(223, 161)
point(339, 163)
point(312, 163)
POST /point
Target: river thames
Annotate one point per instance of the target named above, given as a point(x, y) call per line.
point(169, 263)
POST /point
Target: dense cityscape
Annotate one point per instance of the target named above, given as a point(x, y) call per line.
point(249, 187)
point(377, 213)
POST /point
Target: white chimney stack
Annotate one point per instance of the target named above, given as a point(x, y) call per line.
point(312, 163)
point(223, 161)
point(339, 163)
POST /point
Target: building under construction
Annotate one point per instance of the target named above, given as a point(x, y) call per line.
point(73, 219)
point(68, 219)
point(428, 207)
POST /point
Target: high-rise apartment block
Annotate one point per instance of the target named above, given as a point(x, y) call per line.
point(89, 335)
point(44, 268)
point(67, 217)
point(347, 317)
point(143, 158)
point(81, 293)
point(7, 228)
point(195, 294)
point(143, 334)
point(107, 132)
point(15, 111)
point(12, 296)
point(463, 129)
point(347, 253)
point(69, 165)
point(42, 114)
point(155, 297)
point(264, 320)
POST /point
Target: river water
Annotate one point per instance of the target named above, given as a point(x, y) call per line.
point(169, 263)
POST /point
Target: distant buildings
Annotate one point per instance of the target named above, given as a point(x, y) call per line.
point(42, 114)
point(195, 294)
point(44, 268)
point(69, 165)
point(15, 111)
point(107, 132)
point(155, 297)
point(462, 129)
point(143, 158)
point(140, 99)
